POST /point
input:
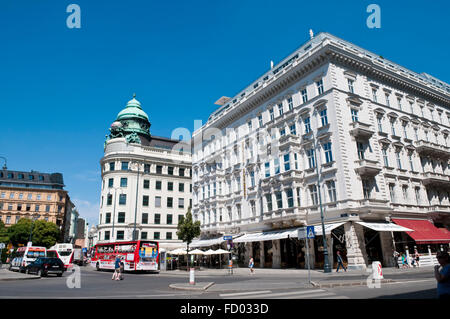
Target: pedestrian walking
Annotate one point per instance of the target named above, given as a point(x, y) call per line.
point(442, 275)
point(116, 274)
point(395, 255)
point(417, 257)
point(404, 261)
point(122, 269)
point(340, 261)
point(251, 264)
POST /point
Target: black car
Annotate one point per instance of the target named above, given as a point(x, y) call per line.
point(43, 266)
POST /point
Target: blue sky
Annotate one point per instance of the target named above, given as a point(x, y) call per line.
point(61, 88)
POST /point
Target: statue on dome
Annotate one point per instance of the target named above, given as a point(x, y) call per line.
point(133, 138)
point(116, 130)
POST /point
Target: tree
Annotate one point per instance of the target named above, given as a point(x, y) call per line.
point(188, 230)
point(43, 233)
point(3, 239)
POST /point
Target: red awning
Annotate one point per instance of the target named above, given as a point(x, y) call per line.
point(424, 231)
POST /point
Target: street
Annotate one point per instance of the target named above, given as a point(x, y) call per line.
point(279, 284)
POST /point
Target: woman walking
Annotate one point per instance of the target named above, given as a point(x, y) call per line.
point(251, 264)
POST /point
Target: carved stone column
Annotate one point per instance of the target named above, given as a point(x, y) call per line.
point(356, 250)
point(387, 248)
point(276, 254)
point(262, 258)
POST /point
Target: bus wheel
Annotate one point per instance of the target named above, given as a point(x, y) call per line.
point(97, 266)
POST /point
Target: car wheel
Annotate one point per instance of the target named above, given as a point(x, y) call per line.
point(97, 266)
point(39, 273)
point(59, 275)
point(27, 271)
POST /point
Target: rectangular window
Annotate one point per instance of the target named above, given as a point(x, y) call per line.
point(280, 109)
point(276, 163)
point(156, 235)
point(271, 114)
point(304, 95)
point(313, 193)
point(290, 103)
point(144, 235)
point(123, 182)
point(331, 186)
point(111, 182)
point(354, 115)
point(180, 202)
point(290, 197)
point(360, 147)
point(145, 200)
point(169, 235)
point(399, 103)
point(269, 202)
point(157, 219)
point(107, 235)
point(307, 123)
point(170, 186)
point(374, 95)
point(328, 152)
point(169, 219)
point(283, 132)
point(122, 199)
point(260, 120)
point(417, 191)
point(319, 85)
point(387, 99)
point(287, 165)
point(181, 187)
point(146, 168)
point(392, 192)
point(121, 218)
point(181, 171)
point(169, 202)
point(146, 184)
point(399, 161)
point(350, 86)
point(292, 129)
point(157, 201)
point(158, 169)
point(385, 157)
point(267, 169)
point(279, 200)
point(311, 159)
point(324, 117)
point(170, 170)
point(120, 235)
point(144, 218)
point(108, 218)
point(112, 166)
point(124, 166)
point(380, 124)
point(109, 200)
point(37, 208)
point(367, 188)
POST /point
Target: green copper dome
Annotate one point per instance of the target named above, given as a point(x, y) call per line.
point(131, 122)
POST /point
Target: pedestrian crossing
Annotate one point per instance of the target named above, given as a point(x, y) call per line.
point(296, 294)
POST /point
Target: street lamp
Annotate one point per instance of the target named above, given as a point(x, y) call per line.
point(326, 265)
point(136, 164)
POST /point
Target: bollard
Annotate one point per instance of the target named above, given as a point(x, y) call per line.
point(377, 272)
point(192, 276)
point(230, 266)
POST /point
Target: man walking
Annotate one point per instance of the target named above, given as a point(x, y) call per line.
point(251, 264)
point(116, 275)
point(395, 256)
point(443, 275)
point(340, 261)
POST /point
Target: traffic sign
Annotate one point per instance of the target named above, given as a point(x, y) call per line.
point(2, 245)
point(227, 237)
point(310, 232)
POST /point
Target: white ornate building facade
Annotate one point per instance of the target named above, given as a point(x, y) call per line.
point(146, 182)
point(336, 127)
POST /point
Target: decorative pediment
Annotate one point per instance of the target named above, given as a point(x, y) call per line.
point(320, 103)
point(354, 100)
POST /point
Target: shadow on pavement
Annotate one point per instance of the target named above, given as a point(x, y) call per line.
point(421, 294)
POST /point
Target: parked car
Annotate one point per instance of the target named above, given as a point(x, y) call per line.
point(44, 266)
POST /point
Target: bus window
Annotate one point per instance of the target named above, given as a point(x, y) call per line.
point(51, 254)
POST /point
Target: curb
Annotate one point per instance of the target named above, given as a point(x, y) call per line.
point(192, 288)
point(347, 284)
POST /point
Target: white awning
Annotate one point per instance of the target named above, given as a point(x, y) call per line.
point(328, 228)
point(384, 226)
point(206, 242)
point(268, 235)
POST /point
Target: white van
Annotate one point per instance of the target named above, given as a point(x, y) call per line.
point(26, 255)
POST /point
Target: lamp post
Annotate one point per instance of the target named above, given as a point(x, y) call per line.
point(136, 164)
point(326, 265)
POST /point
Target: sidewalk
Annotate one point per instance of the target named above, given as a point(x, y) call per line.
point(6, 275)
point(286, 278)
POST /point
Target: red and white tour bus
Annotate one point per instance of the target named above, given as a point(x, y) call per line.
point(137, 255)
point(63, 252)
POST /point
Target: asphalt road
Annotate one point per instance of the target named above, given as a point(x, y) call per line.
point(95, 284)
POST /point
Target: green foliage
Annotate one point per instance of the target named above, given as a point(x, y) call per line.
point(44, 233)
point(4, 239)
point(188, 230)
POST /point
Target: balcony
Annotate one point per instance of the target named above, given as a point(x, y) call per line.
point(287, 141)
point(435, 179)
point(366, 167)
point(361, 130)
point(432, 149)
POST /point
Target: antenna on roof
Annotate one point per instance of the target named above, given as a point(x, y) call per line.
point(311, 34)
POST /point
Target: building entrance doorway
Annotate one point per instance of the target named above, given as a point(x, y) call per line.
point(292, 253)
point(373, 246)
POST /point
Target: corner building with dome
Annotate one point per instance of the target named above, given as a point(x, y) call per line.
point(146, 182)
